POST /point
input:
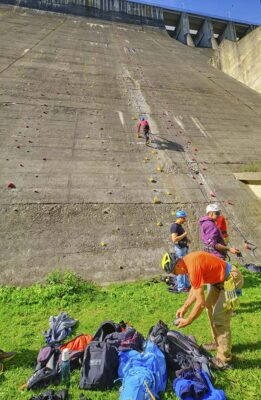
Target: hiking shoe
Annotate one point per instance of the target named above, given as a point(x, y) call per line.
point(216, 363)
point(4, 356)
point(210, 346)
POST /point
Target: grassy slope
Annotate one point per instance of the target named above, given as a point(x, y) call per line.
point(24, 315)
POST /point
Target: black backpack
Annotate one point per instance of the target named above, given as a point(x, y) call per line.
point(181, 351)
point(100, 366)
point(130, 339)
point(106, 328)
point(158, 335)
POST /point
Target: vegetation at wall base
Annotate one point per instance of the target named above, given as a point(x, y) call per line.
point(24, 314)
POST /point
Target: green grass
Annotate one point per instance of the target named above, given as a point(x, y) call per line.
point(253, 167)
point(24, 314)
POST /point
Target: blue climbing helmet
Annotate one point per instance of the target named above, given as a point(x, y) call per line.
point(181, 214)
point(142, 118)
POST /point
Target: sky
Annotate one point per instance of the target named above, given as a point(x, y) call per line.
point(243, 10)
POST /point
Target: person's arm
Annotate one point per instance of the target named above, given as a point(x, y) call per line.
point(221, 247)
point(175, 238)
point(214, 233)
point(199, 300)
point(138, 127)
point(190, 300)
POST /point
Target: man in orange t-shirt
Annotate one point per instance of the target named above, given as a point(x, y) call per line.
point(205, 268)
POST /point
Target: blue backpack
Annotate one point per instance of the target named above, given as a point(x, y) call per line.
point(143, 375)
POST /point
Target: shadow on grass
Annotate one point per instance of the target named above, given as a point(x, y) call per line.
point(247, 363)
point(241, 347)
point(249, 307)
point(24, 358)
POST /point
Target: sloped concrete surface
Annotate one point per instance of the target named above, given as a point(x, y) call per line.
point(72, 89)
point(242, 59)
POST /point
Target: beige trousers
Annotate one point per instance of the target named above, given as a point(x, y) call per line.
point(220, 317)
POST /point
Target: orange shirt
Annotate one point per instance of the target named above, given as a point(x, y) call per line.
point(203, 268)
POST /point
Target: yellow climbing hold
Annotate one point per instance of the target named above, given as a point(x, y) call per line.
point(159, 168)
point(168, 193)
point(134, 118)
point(154, 152)
point(146, 159)
point(159, 223)
point(156, 200)
point(152, 180)
point(103, 244)
point(173, 213)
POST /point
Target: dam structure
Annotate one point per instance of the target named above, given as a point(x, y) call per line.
point(78, 189)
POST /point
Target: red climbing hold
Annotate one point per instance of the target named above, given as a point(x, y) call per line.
point(212, 194)
point(11, 185)
point(230, 202)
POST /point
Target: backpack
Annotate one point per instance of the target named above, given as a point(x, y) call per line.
point(158, 335)
point(100, 365)
point(48, 366)
point(196, 384)
point(143, 374)
point(183, 352)
point(130, 339)
point(106, 328)
point(78, 343)
point(180, 350)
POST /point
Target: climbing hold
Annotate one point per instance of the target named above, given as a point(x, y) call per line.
point(152, 180)
point(156, 200)
point(212, 194)
point(154, 152)
point(173, 213)
point(10, 185)
point(44, 159)
point(36, 191)
point(159, 223)
point(103, 244)
point(168, 193)
point(134, 118)
point(21, 165)
point(18, 147)
point(195, 149)
point(230, 202)
point(159, 168)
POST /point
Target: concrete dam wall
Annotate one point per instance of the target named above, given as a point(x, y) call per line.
point(78, 189)
point(242, 59)
point(118, 10)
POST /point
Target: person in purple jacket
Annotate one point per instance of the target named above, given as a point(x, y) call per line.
point(211, 235)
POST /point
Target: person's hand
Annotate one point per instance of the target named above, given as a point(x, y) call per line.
point(183, 323)
point(181, 312)
point(233, 250)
